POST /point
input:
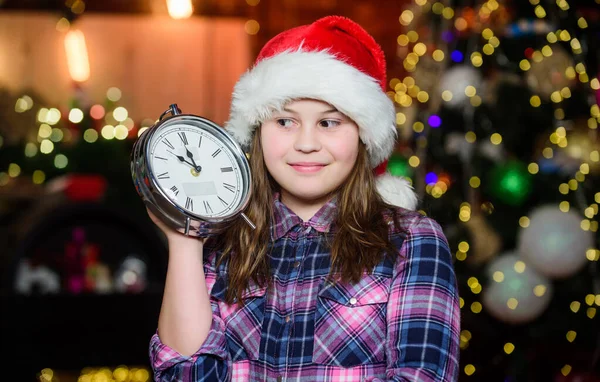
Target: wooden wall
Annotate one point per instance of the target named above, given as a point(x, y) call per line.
point(378, 17)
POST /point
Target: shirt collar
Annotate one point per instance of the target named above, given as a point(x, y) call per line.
point(285, 219)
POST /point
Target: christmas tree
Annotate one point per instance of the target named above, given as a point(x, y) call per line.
point(497, 106)
point(497, 110)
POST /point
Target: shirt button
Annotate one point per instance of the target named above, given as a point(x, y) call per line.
point(296, 264)
point(279, 379)
point(353, 301)
point(288, 319)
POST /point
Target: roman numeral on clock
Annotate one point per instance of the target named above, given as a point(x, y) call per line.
point(229, 187)
point(207, 207)
point(200, 141)
point(166, 142)
point(161, 158)
point(226, 169)
point(175, 190)
point(164, 175)
point(183, 137)
point(189, 203)
point(214, 155)
point(222, 201)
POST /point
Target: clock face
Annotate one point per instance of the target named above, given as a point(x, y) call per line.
point(196, 171)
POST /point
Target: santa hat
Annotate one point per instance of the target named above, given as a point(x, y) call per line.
point(336, 61)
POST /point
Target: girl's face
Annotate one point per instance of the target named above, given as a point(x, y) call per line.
point(309, 149)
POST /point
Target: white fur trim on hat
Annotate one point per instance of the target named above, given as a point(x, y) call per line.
point(396, 191)
point(275, 81)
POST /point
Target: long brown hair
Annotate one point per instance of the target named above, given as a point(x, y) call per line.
point(361, 232)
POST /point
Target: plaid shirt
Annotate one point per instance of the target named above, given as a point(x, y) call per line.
point(399, 323)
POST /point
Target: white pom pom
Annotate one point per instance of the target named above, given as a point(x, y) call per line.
point(396, 191)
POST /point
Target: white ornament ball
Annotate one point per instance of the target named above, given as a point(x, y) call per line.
point(38, 279)
point(131, 276)
point(515, 293)
point(554, 243)
point(456, 80)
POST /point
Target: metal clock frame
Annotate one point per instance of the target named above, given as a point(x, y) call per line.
point(157, 201)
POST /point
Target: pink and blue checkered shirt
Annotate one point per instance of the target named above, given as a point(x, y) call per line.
point(399, 323)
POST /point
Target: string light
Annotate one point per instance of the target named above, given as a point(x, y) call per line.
point(38, 177)
point(108, 132)
point(414, 161)
point(406, 17)
point(23, 104)
point(120, 114)
point(46, 146)
point(90, 135)
point(251, 27)
point(78, 7)
point(590, 313)
point(476, 307)
point(533, 168)
point(469, 369)
point(113, 94)
point(77, 56)
point(76, 115)
point(180, 9)
point(63, 25)
point(50, 133)
point(60, 161)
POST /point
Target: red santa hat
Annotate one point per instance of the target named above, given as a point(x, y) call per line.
point(332, 60)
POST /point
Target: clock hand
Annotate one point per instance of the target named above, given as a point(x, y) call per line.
point(182, 159)
point(191, 156)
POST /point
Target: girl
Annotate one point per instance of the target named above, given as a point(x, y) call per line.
point(335, 283)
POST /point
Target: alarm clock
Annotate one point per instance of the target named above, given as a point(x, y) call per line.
point(191, 174)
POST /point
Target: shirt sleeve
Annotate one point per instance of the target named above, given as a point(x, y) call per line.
point(212, 362)
point(423, 309)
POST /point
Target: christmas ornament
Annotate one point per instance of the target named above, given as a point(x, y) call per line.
point(480, 17)
point(485, 241)
point(515, 292)
point(554, 243)
point(427, 77)
point(191, 174)
point(528, 27)
point(549, 74)
point(75, 260)
point(18, 116)
point(583, 147)
point(491, 151)
point(456, 80)
point(36, 279)
point(576, 145)
point(510, 182)
point(456, 144)
point(131, 276)
point(406, 120)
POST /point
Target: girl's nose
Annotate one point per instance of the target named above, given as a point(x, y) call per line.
point(307, 139)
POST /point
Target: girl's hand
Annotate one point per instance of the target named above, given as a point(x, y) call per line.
point(173, 236)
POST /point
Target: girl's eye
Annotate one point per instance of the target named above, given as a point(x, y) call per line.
point(329, 123)
point(283, 122)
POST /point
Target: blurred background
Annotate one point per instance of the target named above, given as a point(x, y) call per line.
point(497, 112)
